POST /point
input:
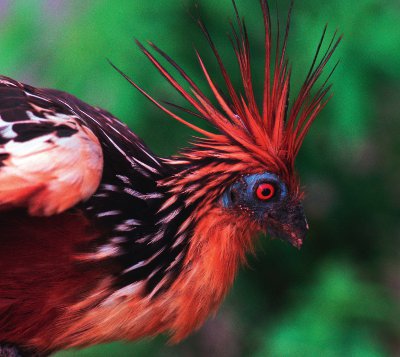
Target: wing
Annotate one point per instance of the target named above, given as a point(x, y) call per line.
point(49, 159)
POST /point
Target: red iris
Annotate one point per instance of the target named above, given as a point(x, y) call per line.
point(265, 191)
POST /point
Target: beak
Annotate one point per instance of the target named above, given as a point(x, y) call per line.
point(288, 223)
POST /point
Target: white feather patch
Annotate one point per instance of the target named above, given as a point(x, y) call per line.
point(49, 174)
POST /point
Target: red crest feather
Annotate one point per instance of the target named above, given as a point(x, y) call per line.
point(268, 137)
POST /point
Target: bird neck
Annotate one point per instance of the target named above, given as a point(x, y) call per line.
point(218, 247)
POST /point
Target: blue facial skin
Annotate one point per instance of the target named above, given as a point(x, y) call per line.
point(281, 216)
point(242, 195)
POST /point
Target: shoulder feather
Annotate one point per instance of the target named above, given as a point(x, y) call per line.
point(49, 160)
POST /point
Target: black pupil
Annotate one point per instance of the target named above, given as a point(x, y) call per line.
point(266, 192)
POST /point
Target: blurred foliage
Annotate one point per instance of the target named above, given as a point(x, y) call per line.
point(338, 296)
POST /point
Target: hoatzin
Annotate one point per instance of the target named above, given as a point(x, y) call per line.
point(102, 240)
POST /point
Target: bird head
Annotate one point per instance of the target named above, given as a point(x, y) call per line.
point(266, 199)
point(247, 167)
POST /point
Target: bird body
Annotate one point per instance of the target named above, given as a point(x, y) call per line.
point(102, 240)
point(67, 261)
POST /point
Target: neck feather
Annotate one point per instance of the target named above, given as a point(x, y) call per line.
point(218, 247)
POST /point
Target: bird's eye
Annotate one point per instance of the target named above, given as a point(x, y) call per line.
point(265, 191)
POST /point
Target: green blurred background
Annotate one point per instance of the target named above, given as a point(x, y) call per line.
point(339, 295)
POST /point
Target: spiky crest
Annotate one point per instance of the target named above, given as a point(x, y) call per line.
point(266, 138)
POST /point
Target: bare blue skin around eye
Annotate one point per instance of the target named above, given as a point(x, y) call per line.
point(242, 194)
point(281, 216)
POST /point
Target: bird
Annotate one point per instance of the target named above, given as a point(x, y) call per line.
point(103, 240)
